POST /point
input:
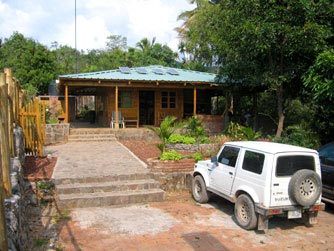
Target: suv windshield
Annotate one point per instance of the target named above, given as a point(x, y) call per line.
point(288, 165)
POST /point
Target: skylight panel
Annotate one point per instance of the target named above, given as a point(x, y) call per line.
point(158, 71)
point(172, 71)
point(125, 70)
point(141, 70)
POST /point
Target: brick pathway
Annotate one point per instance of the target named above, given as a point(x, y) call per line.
point(94, 159)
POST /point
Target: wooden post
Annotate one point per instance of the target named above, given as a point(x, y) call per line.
point(116, 107)
point(10, 86)
point(3, 108)
point(66, 103)
point(4, 136)
point(195, 100)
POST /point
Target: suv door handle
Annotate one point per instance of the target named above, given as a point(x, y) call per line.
point(231, 173)
point(276, 185)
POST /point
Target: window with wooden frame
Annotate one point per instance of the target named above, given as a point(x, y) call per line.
point(125, 99)
point(168, 99)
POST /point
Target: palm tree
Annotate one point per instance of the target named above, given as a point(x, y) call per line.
point(145, 44)
point(166, 129)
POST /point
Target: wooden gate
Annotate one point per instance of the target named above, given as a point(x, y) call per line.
point(32, 121)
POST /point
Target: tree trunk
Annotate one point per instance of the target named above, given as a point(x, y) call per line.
point(280, 126)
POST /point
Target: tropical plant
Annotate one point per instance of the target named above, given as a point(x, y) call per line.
point(164, 131)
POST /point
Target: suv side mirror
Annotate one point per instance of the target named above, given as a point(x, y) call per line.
point(214, 160)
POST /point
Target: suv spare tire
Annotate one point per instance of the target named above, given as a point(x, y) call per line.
point(305, 187)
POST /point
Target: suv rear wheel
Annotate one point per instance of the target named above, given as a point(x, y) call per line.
point(199, 190)
point(244, 212)
point(305, 187)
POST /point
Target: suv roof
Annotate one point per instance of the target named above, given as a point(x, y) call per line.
point(270, 147)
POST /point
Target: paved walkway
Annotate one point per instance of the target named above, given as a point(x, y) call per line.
point(94, 159)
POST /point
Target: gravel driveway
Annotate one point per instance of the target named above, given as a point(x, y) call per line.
point(181, 224)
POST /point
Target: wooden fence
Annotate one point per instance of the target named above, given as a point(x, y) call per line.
point(15, 110)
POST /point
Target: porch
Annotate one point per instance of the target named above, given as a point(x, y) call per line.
point(141, 97)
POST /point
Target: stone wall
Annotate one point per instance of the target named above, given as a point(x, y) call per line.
point(172, 175)
point(204, 149)
point(135, 134)
point(15, 210)
point(56, 133)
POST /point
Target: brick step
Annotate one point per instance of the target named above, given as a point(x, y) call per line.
point(115, 186)
point(111, 178)
point(101, 199)
point(91, 137)
point(83, 131)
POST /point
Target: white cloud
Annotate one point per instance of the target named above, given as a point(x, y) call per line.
point(53, 20)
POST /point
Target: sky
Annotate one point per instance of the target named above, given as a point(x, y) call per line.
point(48, 21)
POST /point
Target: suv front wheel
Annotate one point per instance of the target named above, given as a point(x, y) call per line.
point(244, 212)
point(200, 193)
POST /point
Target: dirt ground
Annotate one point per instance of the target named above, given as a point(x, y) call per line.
point(179, 223)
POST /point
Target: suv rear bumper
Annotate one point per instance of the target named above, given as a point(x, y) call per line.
point(308, 213)
point(265, 211)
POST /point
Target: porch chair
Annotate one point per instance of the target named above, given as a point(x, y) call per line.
point(120, 119)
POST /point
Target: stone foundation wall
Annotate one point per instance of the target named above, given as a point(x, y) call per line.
point(136, 134)
point(204, 149)
point(56, 133)
point(15, 210)
point(172, 175)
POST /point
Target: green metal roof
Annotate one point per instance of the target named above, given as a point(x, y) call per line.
point(147, 73)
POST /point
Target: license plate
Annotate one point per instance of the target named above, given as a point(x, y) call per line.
point(294, 214)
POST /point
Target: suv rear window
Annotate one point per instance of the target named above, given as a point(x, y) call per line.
point(288, 165)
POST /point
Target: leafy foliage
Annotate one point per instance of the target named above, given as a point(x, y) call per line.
point(32, 63)
point(239, 132)
point(259, 43)
point(320, 76)
point(197, 156)
point(299, 135)
point(171, 155)
point(196, 130)
point(182, 139)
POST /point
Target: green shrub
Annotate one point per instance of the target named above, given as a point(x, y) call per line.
point(182, 139)
point(239, 132)
point(171, 155)
point(197, 156)
point(299, 135)
point(195, 128)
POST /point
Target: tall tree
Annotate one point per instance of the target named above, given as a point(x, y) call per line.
point(33, 64)
point(116, 42)
point(258, 42)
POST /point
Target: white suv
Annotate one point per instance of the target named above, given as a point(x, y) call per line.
point(263, 179)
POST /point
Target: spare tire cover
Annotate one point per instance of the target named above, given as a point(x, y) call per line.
point(305, 187)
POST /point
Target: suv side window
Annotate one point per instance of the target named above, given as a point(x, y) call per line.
point(229, 156)
point(253, 162)
point(288, 165)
